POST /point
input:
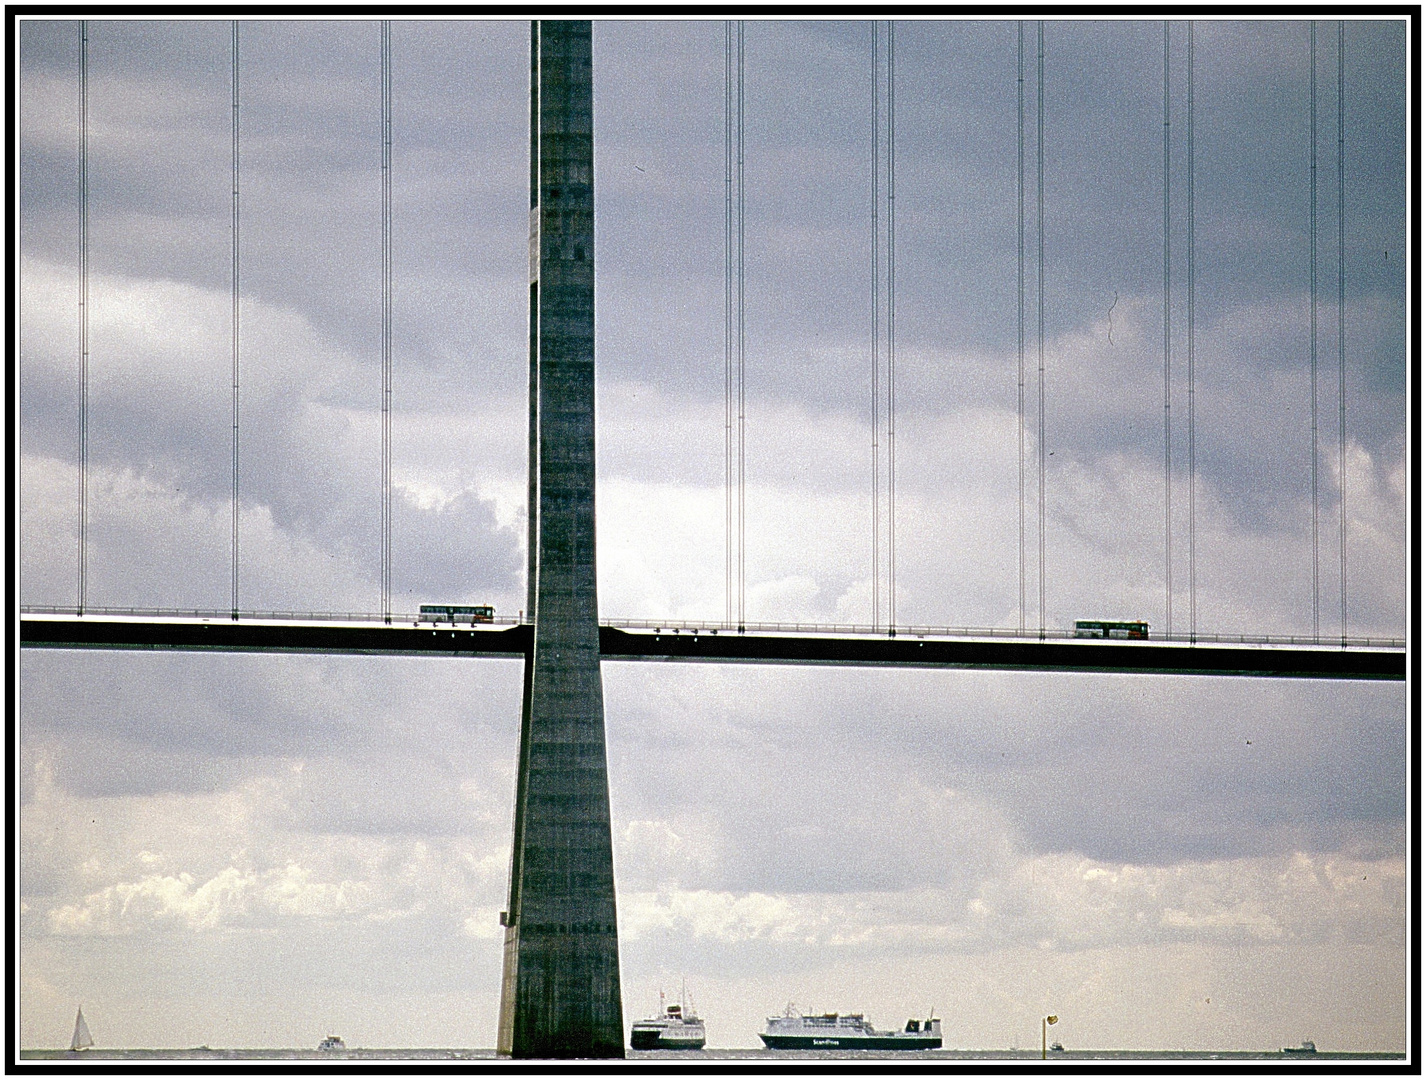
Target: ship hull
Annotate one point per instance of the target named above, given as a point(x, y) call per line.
point(851, 1042)
point(663, 1039)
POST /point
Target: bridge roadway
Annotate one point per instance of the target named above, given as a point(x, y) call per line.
point(966, 649)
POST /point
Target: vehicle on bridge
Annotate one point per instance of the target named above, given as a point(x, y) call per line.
point(1099, 628)
point(454, 613)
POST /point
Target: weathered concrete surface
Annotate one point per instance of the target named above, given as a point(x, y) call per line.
point(560, 991)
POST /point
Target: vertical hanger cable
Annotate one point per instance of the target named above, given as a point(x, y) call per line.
point(1020, 290)
point(891, 326)
point(1040, 290)
point(1192, 463)
point(742, 358)
point(875, 333)
point(386, 327)
point(1312, 258)
point(236, 280)
point(83, 551)
point(728, 320)
point(1341, 335)
point(1168, 371)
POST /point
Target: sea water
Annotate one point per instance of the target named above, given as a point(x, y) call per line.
point(436, 1054)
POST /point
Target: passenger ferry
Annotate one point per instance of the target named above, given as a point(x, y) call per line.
point(846, 1031)
point(673, 1029)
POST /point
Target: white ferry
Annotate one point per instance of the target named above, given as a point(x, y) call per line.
point(673, 1029)
point(846, 1031)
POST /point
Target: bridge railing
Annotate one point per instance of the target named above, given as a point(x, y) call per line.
point(710, 627)
point(910, 630)
point(213, 615)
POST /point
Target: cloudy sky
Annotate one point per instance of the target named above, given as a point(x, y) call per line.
point(256, 851)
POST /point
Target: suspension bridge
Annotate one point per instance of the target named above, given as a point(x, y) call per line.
point(561, 994)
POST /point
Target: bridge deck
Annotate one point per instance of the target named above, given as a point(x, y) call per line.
point(1017, 654)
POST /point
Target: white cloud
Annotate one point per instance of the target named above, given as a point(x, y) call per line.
point(1064, 903)
point(153, 546)
point(157, 899)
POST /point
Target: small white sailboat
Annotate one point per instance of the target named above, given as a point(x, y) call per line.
point(81, 1040)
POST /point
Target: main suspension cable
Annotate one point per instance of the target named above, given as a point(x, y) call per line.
point(83, 311)
point(386, 318)
point(235, 321)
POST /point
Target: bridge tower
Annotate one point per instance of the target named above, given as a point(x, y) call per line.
point(560, 986)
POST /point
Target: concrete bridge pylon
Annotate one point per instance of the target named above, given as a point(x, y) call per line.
point(560, 985)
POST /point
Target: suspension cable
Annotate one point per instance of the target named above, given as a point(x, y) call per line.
point(1040, 289)
point(875, 336)
point(386, 318)
point(742, 358)
point(728, 320)
point(891, 326)
point(235, 322)
point(1312, 229)
point(1341, 334)
point(1168, 370)
point(1020, 290)
point(1192, 469)
point(83, 310)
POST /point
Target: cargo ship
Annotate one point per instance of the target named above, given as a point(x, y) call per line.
point(673, 1029)
point(846, 1031)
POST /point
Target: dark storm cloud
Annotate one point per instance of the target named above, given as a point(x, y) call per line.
point(216, 707)
point(808, 206)
point(159, 150)
point(159, 171)
point(311, 180)
point(311, 159)
point(832, 781)
point(379, 755)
